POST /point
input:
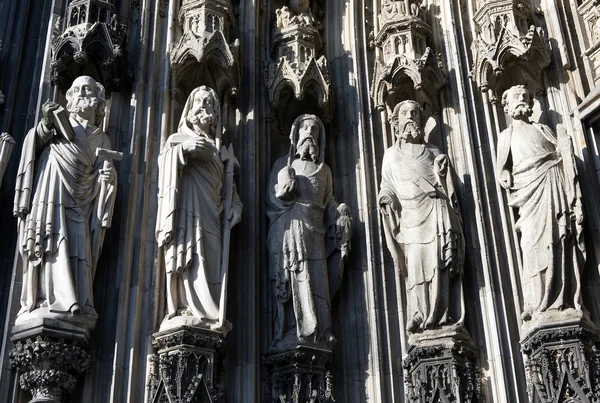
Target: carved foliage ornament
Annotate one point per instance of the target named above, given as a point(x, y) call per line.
point(49, 366)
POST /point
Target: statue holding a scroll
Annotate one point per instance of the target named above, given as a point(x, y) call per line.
point(538, 168)
point(198, 204)
point(64, 201)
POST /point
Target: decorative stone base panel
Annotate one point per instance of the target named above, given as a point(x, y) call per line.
point(439, 368)
point(49, 355)
point(563, 363)
point(299, 375)
point(187, 366)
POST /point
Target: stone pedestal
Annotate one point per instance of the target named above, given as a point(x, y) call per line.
point(187, 366)
point(299, 375)
point(562, 362)
point(49, 355)
point(439, 367)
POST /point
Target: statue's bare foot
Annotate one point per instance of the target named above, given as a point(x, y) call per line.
point(75, 309)
point(414, 323)
point(526, 315)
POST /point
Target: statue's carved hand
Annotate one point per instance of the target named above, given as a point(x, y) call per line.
point(108, 174)
point(47, 109)
point(441, 164)
point(235, 216)
point(199, 148)
point(286, 186)
point(506, 180)
point(577, 213)
point(387, 204)
point(343, 224)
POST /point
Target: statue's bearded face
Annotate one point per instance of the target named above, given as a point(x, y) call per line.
point(82, 97)
point(517, 103)
point(203, 111)
point(409, 127)
point(308, 135)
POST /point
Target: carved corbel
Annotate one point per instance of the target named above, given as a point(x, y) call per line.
point(408, 68)
point(92, 36)
point(506, 39)
point(203, 55)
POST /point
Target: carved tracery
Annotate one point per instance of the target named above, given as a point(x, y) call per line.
point(204, 53)
point(298, 63)
point(506, 39)
point(408, 67)
point(93, 43)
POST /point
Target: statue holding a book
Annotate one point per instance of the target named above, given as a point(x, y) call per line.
point(64, 199)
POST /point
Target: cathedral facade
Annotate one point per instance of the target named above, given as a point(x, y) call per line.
point(299, 201)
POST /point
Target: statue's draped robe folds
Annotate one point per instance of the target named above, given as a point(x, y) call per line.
point(299, 247)
point(61, 219)
point(551, 242)
point(425, 235)
point(189, 227)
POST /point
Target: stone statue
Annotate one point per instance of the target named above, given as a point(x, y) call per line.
point(298, 13)
point(392, 10)
point(64, 199)
point(308, 240)
point(198, 204)
point(422, 224)
point(538, 169)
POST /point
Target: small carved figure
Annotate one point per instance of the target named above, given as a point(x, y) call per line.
point(422, 224)
point(298, 13)
point(64, 201)
point(392, 10)
point(538, 169)
point(308, 241)
point(198, 204)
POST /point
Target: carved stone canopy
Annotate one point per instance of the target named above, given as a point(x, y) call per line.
point(296, 45)
point(505, 40)
point(408, 67)
point(92, 43)
point(203, 54)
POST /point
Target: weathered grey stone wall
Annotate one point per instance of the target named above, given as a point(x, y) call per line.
point(368, 314)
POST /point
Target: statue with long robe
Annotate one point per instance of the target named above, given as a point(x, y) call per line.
point(64, 200)
point(308, 240)
point(538, 169)
point(191, 222)
point(422, 224)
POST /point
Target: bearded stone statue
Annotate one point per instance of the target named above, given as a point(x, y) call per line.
point(193, 216)
point(64, 201)
point(422, 224)
point(308, 240)
point(538, 169)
